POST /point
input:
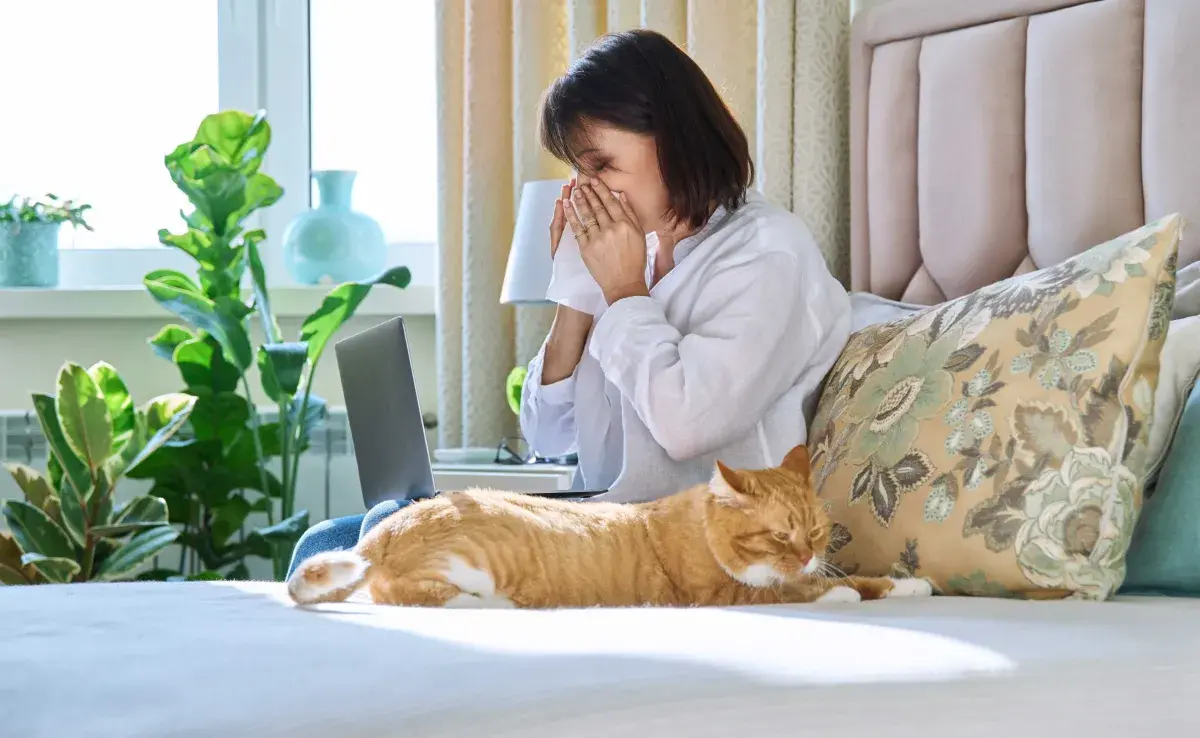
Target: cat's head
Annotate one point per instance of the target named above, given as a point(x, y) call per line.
point(766, 526)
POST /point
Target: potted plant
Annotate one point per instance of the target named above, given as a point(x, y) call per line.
point(228, 466)
point(29, 239)
point(68, 528)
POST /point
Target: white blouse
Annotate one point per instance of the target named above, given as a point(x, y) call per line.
point(722, 361)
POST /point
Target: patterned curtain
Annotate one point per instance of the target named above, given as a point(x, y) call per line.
point(781, 65)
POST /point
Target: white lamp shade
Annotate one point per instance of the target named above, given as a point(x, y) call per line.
point(528, 273)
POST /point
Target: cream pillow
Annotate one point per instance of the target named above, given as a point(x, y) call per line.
point(997, 443)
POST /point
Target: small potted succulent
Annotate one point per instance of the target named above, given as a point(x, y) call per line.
point(29, 239)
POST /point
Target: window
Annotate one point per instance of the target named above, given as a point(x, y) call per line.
point(93, 103)
point(374, 108)
point(108, 87)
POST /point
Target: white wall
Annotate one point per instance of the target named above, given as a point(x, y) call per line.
point(31, 352)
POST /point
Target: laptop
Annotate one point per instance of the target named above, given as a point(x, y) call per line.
point(385, 418)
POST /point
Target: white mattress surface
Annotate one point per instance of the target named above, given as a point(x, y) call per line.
point(237, 659)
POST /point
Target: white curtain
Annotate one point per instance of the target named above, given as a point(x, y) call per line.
point(781, 65)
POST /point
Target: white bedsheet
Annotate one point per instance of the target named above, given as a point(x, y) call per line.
point(207, 659)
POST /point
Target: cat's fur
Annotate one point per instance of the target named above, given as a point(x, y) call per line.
point(747, 537)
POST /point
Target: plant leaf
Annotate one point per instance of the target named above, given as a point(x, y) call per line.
point(11, 569)
point(55, 568)
point(168, 339)
point(220, 415)
point(284, 534)
point(84, 416)
point(314, 414)
point(34, 531)
point(202, 364)
point(136, 550)
point(281, 366)
point(76, 472)
point(161, 418)
point(262, 298)
point(71, 512)
point(120, 404)
point(339, 306)
point(187, 302)
point(238, 137)
point(514, 387)
point(137, 514)
point(36, 487)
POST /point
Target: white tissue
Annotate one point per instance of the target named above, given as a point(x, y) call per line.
point(571, 283)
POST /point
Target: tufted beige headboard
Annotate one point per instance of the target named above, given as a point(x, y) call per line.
point(993, 137)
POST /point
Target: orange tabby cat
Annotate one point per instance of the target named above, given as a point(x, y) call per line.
point(747, 537)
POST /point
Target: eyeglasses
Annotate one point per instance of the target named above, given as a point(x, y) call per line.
point(513, 451)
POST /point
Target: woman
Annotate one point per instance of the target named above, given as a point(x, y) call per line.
point(714, 346)
point(717, 346)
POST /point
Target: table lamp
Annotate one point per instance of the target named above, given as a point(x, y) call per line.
point(528, 273)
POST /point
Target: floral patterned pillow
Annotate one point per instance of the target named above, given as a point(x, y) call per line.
point(996, 444)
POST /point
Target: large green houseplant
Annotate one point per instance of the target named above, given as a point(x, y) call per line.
point(231, 466)
point(69, 528)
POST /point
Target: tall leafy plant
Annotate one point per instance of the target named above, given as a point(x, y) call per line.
point(68, 528)
point(231, 466)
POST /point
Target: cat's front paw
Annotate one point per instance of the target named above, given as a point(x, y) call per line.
point(840, 594)
point(910, 587)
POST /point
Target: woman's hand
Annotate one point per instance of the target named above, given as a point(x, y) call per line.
point(558, 223)
point(611, 241)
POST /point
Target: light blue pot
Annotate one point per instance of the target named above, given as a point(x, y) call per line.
point(29, 254)
point(332, 240)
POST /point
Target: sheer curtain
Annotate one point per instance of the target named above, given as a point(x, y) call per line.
point(781, 65)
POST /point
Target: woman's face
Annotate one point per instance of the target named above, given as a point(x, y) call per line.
point(626, 162)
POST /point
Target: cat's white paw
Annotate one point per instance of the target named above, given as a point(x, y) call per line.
point(840, 594)
point(910, 587)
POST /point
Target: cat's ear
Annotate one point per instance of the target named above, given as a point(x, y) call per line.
point(797, 461)
point(728, 485)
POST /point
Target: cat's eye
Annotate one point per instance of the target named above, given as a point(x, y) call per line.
point(782, 536)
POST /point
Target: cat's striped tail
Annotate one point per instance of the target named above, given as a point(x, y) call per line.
point(328, 577)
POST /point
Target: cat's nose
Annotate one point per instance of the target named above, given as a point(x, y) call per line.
point(811, 564)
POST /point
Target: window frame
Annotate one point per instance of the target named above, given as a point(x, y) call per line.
point(263, 59)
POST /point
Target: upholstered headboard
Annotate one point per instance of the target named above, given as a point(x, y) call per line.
point(993, 137)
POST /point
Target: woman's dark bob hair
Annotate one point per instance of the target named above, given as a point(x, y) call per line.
point(638, 81)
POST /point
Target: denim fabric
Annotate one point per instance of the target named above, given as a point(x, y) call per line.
point(340, 533)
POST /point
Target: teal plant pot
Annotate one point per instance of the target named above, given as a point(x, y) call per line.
point(29, 254)
point(332, 240)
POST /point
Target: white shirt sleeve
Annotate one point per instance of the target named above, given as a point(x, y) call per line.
point(548, 412)
point(754, 331)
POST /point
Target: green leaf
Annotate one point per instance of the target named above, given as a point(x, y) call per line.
point(238, 137)
point(283, 535)
point(311, 418)
point(136, 550)
point(168, 339)
point(194, 307)
point(261, 192)
point(84, 416)
point(156, 575)
point(54, 472)
point(339, 306)
point(281, 366)
point(202, 363)
point(514, 387)
point(34, 531)
point(37, 488)
point(174, 279)
point(120, 404)
point(76, 472)
point(11, 569)
point(55, 568)
point(74, 518)
point(262, 298)
point(220, 415)
point(206, 576)
point(137, 514)
point(161, 418)
point(228, 518)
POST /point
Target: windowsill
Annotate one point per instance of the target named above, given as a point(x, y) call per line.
point(107, 303)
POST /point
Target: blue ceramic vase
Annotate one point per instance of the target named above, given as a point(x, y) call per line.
point(29, 254)
point(331, 240)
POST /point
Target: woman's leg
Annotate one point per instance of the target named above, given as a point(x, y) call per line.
point(331, 535)
point(376, 515)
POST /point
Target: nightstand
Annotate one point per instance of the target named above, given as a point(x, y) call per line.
point(527, 478)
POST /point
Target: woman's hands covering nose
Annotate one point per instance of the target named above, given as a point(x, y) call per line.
point(611, 241)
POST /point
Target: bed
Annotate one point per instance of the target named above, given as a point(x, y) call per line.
point(988, 138)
